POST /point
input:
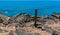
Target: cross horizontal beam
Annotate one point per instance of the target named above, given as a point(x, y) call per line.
point(36, 17)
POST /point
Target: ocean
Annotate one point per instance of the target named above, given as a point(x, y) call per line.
point(11, 8)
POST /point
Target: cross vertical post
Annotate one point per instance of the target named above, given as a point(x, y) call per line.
point(35, 18)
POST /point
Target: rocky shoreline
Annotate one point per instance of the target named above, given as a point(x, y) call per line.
point(23, 24)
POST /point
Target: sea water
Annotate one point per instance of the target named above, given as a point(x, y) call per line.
point(11, 8)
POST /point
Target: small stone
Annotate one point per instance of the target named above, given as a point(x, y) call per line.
point(36, 34)
point(20, 32)
point(1, 30)
point(11, 33)
point(54, 34)
point(29, 33)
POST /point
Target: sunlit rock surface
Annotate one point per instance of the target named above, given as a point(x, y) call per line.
point(23, 24)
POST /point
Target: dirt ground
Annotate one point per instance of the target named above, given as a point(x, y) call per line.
point(28, 30)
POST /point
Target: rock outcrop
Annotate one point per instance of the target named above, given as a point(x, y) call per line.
point(23, 24)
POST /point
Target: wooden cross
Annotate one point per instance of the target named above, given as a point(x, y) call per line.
point(35, 18)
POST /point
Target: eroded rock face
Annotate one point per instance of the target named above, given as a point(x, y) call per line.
point(22, 18)
point(50, 19)
point(3, 19)
point(51, 22)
